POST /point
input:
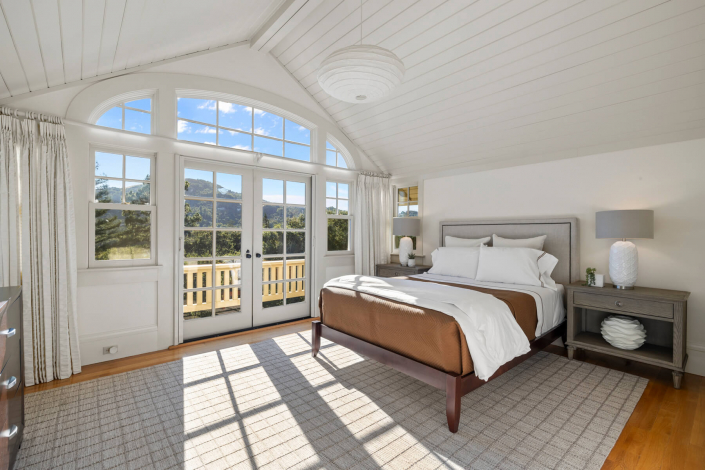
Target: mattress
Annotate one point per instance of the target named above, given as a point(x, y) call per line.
point(425, 335)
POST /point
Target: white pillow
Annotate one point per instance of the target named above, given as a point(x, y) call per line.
point(536, 243)
point(455, 261)
point(524, 266)
point(466, 242)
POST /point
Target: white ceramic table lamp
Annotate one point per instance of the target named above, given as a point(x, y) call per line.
point(624, 259)
point(405, 227)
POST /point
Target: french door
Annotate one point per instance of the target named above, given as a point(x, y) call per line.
point(245, 248)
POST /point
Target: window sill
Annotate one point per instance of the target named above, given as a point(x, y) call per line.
point(337, 254)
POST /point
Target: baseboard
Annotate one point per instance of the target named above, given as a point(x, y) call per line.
point(129, 343)
point(696, 359)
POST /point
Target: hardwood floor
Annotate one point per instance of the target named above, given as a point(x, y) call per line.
point(666, 430)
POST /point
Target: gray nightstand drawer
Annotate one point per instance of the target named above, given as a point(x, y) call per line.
point(386, 272)
point(644, 307)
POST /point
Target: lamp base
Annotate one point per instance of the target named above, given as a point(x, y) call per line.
point(624, 264)
point(406, 246)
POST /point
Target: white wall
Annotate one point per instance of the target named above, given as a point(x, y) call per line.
point(670, 179)
point(136, 308)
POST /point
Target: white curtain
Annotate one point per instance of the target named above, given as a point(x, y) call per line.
point(9, 203)
point(373, 213)
point(48, 255)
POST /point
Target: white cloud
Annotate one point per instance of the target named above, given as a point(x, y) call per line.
point(240, 147)
point(296, 199)
point(259, 112)
point(261, 131)
point(209, 143)
point(205, 130)
point(209, 105)
point(184, 127)
point(229, 108)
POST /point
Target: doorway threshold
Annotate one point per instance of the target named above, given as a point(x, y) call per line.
point(232, 334)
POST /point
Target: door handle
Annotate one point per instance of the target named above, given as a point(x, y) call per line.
point(258, 255)
point(248, 255)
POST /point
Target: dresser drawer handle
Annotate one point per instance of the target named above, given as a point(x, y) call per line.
point(619, 304)
point(9, 333)
point(11, 382)
point(10, 433)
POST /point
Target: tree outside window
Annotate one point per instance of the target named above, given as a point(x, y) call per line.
point(406, 205)
point(339, 217)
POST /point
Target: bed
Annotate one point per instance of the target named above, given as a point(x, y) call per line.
point(430, 345)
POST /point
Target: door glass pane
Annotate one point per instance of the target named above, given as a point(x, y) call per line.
point(296, 217)
point(272, 243)
point(228, 272)
point(229, 214)
point(198, 213)
point(272, 191)
point(197, 304)
point(295, 292)
point(198, 243)
point(193, 273)
point(229, 186)
point(295, 193)
point(109, 191)
point(136, 193)
point(137, 168)
point(108, 164)
point(272, 295)
point(273, 269)
point(198, 183)
point(295, 267)
point(227, 301)
point(272, 216)
point(122, 234)
point(235, 116)
point(227, 243)
point(295, 242)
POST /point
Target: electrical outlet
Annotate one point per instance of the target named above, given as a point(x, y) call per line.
point(110, 350)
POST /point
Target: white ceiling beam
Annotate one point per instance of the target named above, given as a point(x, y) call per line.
point(281, 23)
point(119, 73)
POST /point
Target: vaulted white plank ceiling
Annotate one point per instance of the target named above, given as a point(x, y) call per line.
point(488, 83)
point(47, 43)
point(506, 80)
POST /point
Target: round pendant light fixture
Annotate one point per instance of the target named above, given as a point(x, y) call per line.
point(361, 73)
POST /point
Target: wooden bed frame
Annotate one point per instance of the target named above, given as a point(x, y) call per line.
point(562, 242)
point(455, 385)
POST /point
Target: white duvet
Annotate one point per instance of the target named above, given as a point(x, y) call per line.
point(493, 335)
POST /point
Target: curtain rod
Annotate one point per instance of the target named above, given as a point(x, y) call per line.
point(18, 113)
point(372, 173)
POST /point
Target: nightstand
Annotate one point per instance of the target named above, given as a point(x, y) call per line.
point(662, 312)
point(394, 270)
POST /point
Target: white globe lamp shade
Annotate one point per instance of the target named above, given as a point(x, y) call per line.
point(361, 74)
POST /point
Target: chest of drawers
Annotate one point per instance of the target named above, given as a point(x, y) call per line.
point(11, 375)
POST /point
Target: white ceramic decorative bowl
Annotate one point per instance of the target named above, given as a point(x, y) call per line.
point(623, 332)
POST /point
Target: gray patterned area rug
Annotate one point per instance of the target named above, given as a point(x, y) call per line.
point(271, 405)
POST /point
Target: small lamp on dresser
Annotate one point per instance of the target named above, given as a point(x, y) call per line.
point(624, 259)
point(405, 227)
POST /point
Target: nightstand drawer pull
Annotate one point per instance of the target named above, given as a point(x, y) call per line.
point(600, 301)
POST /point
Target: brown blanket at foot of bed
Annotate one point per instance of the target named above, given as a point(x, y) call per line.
point(421, 334)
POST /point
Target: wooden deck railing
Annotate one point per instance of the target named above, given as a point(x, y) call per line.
point(200, 276)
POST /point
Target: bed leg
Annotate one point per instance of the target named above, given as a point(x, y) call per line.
point(564, 336)
point(315, 337)
point(453, 396)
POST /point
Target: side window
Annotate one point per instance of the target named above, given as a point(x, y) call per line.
point(339, 216)
point(241, 127)
point(406, 204)
point(334, 157)
point(123, 210)
point(134, 116)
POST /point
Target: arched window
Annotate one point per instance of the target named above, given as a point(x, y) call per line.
point(134, 116)
point(243, 127)
point(334, 157)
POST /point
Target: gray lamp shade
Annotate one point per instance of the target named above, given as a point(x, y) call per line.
point(406, 226)
point(624, 224)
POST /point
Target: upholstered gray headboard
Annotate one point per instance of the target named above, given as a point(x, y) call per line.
point(562, 238)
